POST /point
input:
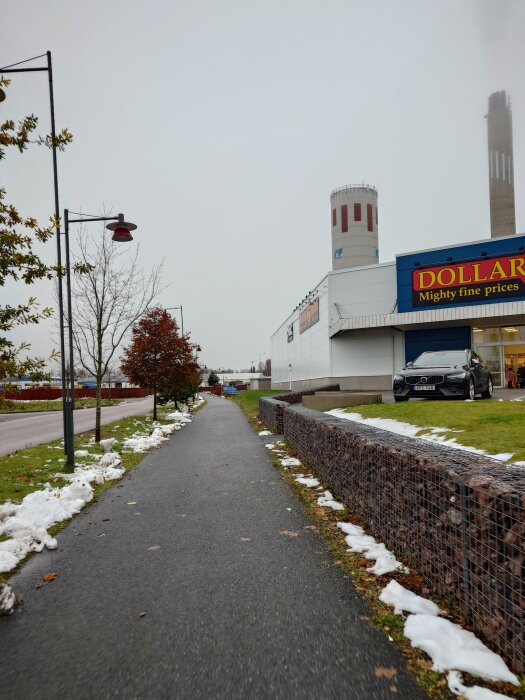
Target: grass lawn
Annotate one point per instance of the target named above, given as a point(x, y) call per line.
point(494, 426)
point(30, 406)
point(28, 470)
point(249, 400)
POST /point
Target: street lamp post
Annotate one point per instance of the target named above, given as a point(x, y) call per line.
point(49, 69)
point(121, 234)
point(171, 308)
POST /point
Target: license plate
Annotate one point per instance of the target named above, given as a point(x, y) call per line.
point(426, 387)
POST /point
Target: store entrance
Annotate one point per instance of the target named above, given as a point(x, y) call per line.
point(514, 365)
point(503, 351)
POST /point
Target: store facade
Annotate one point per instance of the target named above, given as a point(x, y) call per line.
point(367, 322)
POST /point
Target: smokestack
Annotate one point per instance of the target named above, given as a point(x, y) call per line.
point(501, 166)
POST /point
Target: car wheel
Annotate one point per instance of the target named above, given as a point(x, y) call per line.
point(400, 398)
point(470, 392)
point(488, 393)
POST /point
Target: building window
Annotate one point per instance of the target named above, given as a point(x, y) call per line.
point(334, 217)
point(357, 212)
point(369, 217)
point(344, 218)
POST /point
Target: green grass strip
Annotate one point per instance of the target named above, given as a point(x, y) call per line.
point(493, 426)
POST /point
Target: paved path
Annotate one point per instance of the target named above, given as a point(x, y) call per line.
point(233, 609)
point(26, 431)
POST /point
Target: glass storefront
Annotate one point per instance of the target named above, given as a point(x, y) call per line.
point(503, 350)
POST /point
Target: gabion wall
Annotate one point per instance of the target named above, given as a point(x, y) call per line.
point(456, 517)
point(297, 396)
point(271, 409)
point(271, 414)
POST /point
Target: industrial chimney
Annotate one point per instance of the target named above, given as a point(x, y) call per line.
point(501, 166)
point(354, 226)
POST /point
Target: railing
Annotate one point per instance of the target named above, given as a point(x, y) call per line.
point(362, 186)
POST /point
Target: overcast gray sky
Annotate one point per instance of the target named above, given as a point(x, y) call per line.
point(221, 128)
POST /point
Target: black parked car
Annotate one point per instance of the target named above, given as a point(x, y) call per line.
point(445, 373)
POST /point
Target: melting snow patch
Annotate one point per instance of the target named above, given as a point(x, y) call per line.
point(455, 685)
point(78, 453)
point(327, 501)
point(452, 648)
point(309, 481)
point(160, 433)
point(290, 462)
point(179, 417)
point(359, 543)
point(265, 432)
point(409, 430)
point(7, 599)
point(27, 524)
point(107, 445)
point(402, 600)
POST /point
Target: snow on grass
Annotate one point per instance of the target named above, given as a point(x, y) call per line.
point(107, 445)
point(359, 543)
point(408, 430)
point(402, 600)
point(265, 432)
point(142, 442)
point(309, 481)
point(26, 524)
point(452, 648)
point(456, 686)
point(327, 501)
point(290, 462)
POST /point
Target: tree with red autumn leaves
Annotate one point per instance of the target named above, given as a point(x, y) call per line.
point(158, 357)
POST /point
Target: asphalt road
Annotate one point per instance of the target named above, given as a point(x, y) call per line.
point(184, 581)
point(19, 430)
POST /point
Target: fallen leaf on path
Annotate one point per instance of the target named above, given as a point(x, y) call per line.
point(142, 614)
point(224, 465)
point(182, 515)
point(309, 527)
point(288, 533)
point(49, 577)
point(106, 520)
point(382, 672)
point(155, 546)
point(246, 539)
point(131, 503)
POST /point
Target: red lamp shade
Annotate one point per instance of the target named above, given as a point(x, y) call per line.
point(122, 235)
point(121, 229)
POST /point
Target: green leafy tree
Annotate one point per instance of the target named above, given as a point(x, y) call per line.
point(18, 260)
point(213, 379)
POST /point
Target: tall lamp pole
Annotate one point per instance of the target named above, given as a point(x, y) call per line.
point(172, 308)
point(121, 234)
point(49, 69)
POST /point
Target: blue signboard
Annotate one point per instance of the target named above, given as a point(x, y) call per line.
point(471, 274)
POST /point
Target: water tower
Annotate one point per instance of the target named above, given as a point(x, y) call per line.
point(354, 226)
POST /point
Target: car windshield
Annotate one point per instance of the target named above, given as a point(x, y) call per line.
point(447, 358)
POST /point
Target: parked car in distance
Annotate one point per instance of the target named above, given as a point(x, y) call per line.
point(444, 373)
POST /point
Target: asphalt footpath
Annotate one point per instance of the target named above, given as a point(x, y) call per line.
point(179, 583)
